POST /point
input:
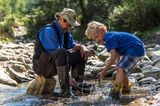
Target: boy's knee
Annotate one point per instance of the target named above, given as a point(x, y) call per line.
point(119, 70)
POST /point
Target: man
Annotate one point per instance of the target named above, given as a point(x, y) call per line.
point(52, 57)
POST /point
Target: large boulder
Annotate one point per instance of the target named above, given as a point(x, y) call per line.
point(41, 85)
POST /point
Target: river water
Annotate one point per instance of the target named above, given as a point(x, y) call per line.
point(15, 96)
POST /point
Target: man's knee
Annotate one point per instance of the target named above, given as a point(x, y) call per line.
point(61, 51)
point(60, 57)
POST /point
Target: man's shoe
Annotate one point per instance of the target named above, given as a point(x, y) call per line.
point(84, 87)
point(66, 94)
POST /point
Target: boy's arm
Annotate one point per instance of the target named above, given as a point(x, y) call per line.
point(114, 56)
point(118, 59)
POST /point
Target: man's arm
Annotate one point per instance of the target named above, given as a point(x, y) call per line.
point(83, 50)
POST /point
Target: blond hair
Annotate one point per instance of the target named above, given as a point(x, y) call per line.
point(93, 27)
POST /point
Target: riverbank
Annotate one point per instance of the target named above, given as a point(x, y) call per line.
point(16, 69)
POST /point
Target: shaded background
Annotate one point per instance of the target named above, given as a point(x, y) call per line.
point(121, 15)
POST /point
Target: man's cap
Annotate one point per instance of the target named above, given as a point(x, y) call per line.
point(69, 15)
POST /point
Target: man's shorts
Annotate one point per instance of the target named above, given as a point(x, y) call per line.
point(127, 62)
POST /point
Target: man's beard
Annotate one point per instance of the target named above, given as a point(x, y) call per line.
point(65, 30)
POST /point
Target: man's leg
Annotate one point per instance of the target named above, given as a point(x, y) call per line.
point(60, 57)
point(78, 66)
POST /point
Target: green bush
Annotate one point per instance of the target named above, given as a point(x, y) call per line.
point(6, 26)
point(135, 15)
point(10, 20)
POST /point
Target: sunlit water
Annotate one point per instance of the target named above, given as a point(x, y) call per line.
point(15, 96)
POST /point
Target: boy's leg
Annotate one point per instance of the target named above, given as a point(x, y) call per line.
point(126, 63)
point(126, 85)
point(125, 80)
point(122, 69)
point(117, 84)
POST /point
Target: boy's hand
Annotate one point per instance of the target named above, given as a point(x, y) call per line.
point(101, 74)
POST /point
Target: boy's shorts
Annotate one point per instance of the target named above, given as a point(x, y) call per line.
point(127, 62)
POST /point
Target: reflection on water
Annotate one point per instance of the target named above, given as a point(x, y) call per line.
point(7, 92)
point(15, 96)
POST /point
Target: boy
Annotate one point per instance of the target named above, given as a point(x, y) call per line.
point(118, 44)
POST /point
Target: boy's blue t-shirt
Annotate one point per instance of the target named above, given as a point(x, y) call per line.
point(124, 43)
point(50, 41)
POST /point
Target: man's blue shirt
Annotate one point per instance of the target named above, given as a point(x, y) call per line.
point(124, 43)
point(50, 40)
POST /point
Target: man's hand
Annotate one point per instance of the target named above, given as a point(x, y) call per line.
point(72, 81)
point(84, 52)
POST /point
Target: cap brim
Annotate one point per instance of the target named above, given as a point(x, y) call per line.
point(57, 14)
point(76, 24)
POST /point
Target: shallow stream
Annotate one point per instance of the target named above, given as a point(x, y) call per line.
point(15, 96)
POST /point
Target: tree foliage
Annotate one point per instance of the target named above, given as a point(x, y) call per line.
point(122, 15)
point(86, 10)
point(135, 15)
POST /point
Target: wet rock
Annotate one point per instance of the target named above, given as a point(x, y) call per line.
point(3, 57)
point(150, 71)
point(18, 68)
point(41, 85)
point(136, 69)
point(91, 71)
point(103, 55)
point(137, 76)
point(18, 76)
point(156, 63)
point(139, 102)
point(148, 81)
point(5, 79)
point(158, 81)
point(146, 58)
point(28, 60)
point(154, 100)
point(155, 55)
point(149, 52)
point(91, 52)
point(157, 47)
point(144, 63)
point(95, 63)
